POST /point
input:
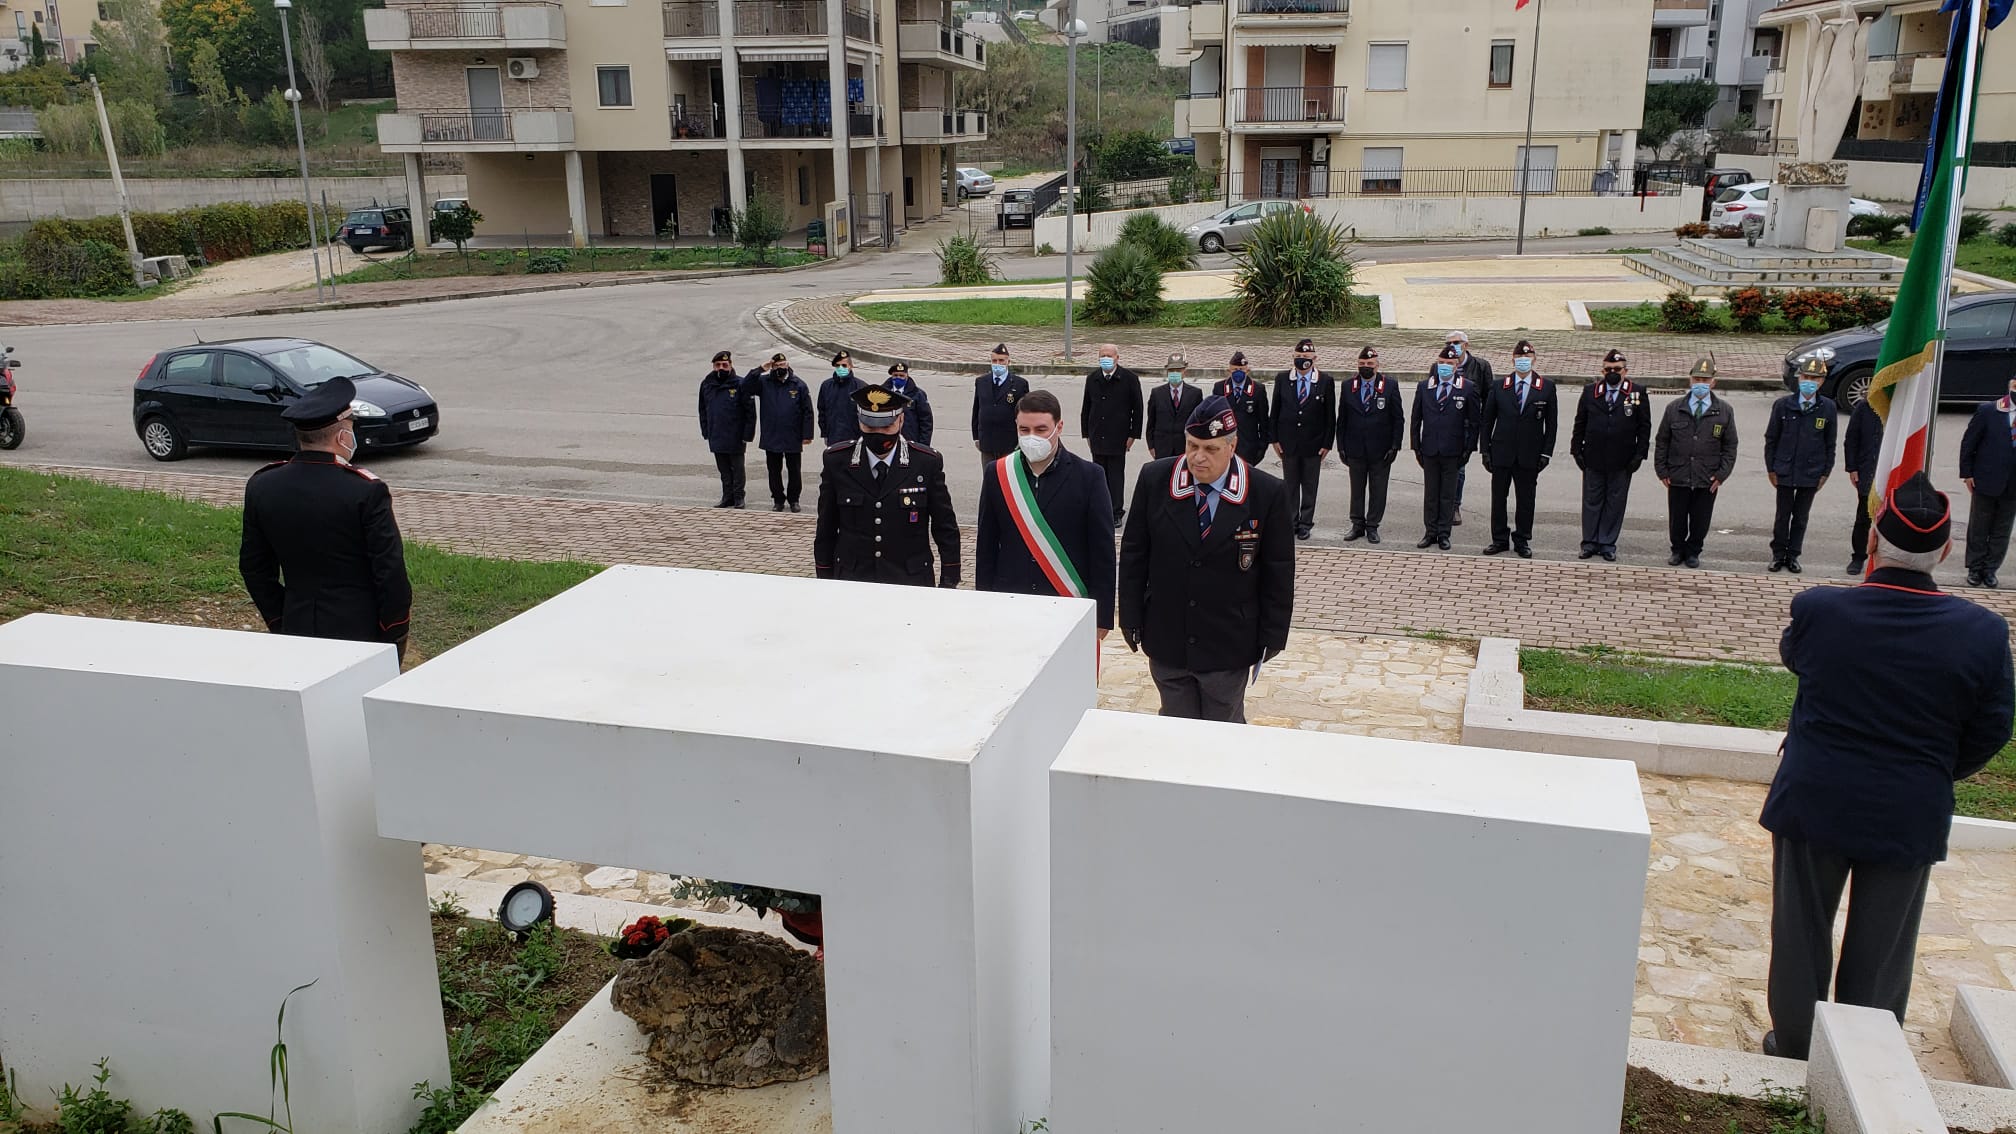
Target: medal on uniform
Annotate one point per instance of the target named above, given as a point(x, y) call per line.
point(1379, 403)
point(1247, 540)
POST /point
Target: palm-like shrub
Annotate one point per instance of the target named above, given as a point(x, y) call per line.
point(963, 263)
point(1296, 271)
point(1125, 286)
point(1164, 242)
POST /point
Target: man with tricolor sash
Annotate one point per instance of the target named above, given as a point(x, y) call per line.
point(1046, 518)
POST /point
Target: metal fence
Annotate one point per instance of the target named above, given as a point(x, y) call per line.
point(465, 126)
point(1287, 104)
point(692, 18)
point(1294, 7)
point(874, 221)
point(1331, 184)
point(686, 123)
point(780, 17)
point(455, 23)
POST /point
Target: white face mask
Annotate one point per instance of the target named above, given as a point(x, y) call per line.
point(352, 446)
point(1035, 448)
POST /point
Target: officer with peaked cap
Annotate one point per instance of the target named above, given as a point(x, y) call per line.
point(1207, 570)
point(1904, 690)
point(994, 396)
point(883, 503)
point(1444, 430)
point(320, 551)
point(1303, 429)
point(1520, 420)
point(1799, 446)
point(1611, 439)
point(1249, 406)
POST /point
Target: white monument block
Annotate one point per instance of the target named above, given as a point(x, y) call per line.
point(1264, 929)
point(186, 833)
point(883, 747)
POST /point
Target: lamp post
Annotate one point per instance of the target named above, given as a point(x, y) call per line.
point(300, 145)
point(1074, 30)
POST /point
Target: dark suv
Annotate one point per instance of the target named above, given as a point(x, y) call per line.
point(390, 227)
point(1980, 353)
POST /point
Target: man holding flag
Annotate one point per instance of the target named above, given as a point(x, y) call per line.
point(1046, 517)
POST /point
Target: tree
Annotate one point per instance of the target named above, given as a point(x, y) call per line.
point(1673, 107)
point(1131, 155)
point(315, 68)
point(759, 226)
point(38, 48)
point(213, 93)
point(132, 58)
point(457, 225)
point(246, 35)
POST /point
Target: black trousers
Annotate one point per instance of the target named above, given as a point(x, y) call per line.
point(1523, 483)
point(1302, 476)
point(1788, 527)
point(1688, 514)
point(780, 464)
point(1988, 522)
point(1115, 466)
point(1604, 495)
point(1216, 696)
point(1369, 477)
point(1858, 539)
point(1877, 951)
point(1441, 492)
point(734, 476)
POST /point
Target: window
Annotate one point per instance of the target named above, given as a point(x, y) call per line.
point(1983, 321)
point(191, 367)
point(613, 83)
point(1539, 168)
point(804, 185)
point(243, 373)
point(1387, 68)
point(1501, 63)
point(103, 15)
point(1381, 172)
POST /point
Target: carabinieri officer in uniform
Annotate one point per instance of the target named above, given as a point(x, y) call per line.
point(320, 551)
point(883, 503)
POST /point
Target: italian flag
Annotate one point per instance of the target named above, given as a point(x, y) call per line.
point(1034, 528)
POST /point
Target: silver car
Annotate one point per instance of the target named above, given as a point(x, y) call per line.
point(1232, 227)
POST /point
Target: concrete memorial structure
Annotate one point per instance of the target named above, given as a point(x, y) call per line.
point(218, 782)
point(1426, 937)
point(883, 747)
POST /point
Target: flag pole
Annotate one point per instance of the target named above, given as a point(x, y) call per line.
point(1526, 160)
point(1963, 154)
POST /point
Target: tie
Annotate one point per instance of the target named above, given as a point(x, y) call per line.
point(1522, 394)
point(1695, 404)
point(1204, 511)
point(1442, 393)
point(1365, 396)
point(1302, 386)
point(880, 468)
point(1612, 396)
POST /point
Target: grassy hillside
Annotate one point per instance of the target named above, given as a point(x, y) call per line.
point(1023, 88)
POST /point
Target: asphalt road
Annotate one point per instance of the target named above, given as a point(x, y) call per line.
point(591, 394)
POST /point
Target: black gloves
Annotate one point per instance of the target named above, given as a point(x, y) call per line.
point(1132, 637)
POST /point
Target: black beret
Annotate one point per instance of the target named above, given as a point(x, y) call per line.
point(1000, 348)
point(1306, 344)
point(1449, 351)
point(1370, 351)
point(723, 356)
point(1523, 348)
point(838, 356)
point(1238, 358)
point(1616, 356)
point(322, 406)
point(1916, 517)
point(1213, 417)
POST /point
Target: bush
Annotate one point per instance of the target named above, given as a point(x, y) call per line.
point(1124, 285)
point(760, 226)
point(90, 268)
point(1132, 155)
point(1691, 228)
point(1973, 226)
point(1685, 314)
point(1296, 271)
point(1599, 230)
point(1045, 249)
point(963, 263)
point(137, 128)
point(1164, 243)
point(1749, 307)
point(458, 226)
point(1872, 308)
point(2006, 236)
point(268, 122)
point(1882, 229)
point(19, 281)
point(546, 263)
point(68, 128)
point(1815, 310)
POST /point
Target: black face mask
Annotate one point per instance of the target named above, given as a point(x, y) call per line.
point(1304, 363)
point(880, 443)
point(1367, 371)
point(1613, 376)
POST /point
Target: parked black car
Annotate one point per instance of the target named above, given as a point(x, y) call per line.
point(231, 394)
point(1980, 353)
point(389, 227)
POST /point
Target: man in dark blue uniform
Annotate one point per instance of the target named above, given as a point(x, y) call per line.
point(1444, 434)
point(994, 396)
point(883, 503)
point(836, 402)
point(1249, 406)
point(728, 424)
point(1371, 427)
point(1207, 570)
point(1612, 436)
point(1798, 455)
point(1305, 425)
point(1521, 417)
point(320, 551)
point(918, 422)
point(1109, 419)
point(1046, 520)
point(1859, 452)
point(1170, 407)
point(784, 428)
point(1988, 465)
point(1903, 691)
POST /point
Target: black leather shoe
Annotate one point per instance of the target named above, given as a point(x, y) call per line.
point(725, 503)
point(1675, 559)
point(1792, 565)
point(1427, 541)
point(1777, 565)
point(741, 502)
point(1694, 562)
point(1496, 548)
point(1857, 565)
point(776, 505)
point(1586, 553)
point(1974, 579)
point(793, 505)
point(1456, 519)
point(1525, 550)
point(1371, 535)
point(1443, 543)
point(1357, 532)
point(1302, 533)
point(1609, 557)
point(1771, 1043)
point(1991, 581)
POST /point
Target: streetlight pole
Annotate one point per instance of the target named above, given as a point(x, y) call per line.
point(1526, 160)
point(1072, 31)
point(301, 145)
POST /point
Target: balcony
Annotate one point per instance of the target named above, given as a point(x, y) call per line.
point(476, 131)
point(1774, 80)
point(1679, 13)
point(928, 41)
point(1207, 23)
point(497, 27)
point(796, 119)
point(692, 19)
point(938, 124)
point(1675, 68)
point(1755, 68)
point(690, 124)
point(1288, 109)
point(1195, 112)
point(1918, 73)
point(800, 19)
point(1288, 13)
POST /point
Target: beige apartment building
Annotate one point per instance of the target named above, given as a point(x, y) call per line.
point(65, 26)
point(624, 118)
point(1313, 98)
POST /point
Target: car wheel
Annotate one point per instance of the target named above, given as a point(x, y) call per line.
point(1852, 388)
point(1211, 242)
point(13, 428)
point(164, 439)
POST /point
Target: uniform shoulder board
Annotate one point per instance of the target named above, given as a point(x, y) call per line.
point(367, 474)
point(268, 468)
point(839, 446)
point(916, 448)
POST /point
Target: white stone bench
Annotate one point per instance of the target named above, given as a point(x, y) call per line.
point(1862, 1077)
point(1984, 1029)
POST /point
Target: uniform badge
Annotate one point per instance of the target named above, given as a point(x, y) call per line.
point(1011, 397)
point(1247, 541)
point(1459, 402)
point(1820, 423)
point(1379, 403)
point(1716, 432)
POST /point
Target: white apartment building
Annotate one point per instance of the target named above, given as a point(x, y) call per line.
point(626, 118)
point(1719, 41)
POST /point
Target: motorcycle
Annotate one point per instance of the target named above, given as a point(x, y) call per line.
point(12, 426)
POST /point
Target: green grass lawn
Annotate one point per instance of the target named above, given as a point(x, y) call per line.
point(77, 547)
point(1620, 685)
point(514, 261)
point(1027, 312)
point(1983, 254)
point(1645, 317)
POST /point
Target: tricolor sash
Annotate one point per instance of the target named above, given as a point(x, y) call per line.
point(1042, 543)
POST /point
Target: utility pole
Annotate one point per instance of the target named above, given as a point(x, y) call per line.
point(1526, 158)
point(301, 147)
point(118, 185)
point(1072, 32)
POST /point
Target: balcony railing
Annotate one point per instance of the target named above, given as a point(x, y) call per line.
point(687, 124)
point(1294, 7)
point(1287, 104)
point(692, 19)
point(1686, 64)
point(456, 23)
point(859, 23)
point(864, 121)
point(533, 26)
point(477, 128)
point(1903, 66)
point(799, 18)
point(441, 126)
point(925, 122)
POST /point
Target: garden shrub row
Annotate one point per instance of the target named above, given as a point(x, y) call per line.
point(56, 258)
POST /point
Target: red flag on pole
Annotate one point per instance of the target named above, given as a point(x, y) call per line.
point(1521, 4)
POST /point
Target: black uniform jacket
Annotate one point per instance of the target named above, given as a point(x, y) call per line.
point(1208, 605)
point(1864, 443)
point(1612, 436)
point(1110, 415)
point(1374, 429)
point(1249, 408)
point(1168, 414)
point(883, 533)
point(918, 423)
point(1514, 438)
point(1304, 427)
point(837, 422)
point(1447, 428)
point(994, 409)
point(321, 554)
point(1987, 452)
point(1799, 446)
point(1071, 494)
point(727, 411)
point(784, 412)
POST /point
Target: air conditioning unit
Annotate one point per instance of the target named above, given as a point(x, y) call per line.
point(522, 67)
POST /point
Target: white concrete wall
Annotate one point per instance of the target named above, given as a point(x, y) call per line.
point(1392, 915)
point(32, 198)
point(910, 798)
point(186, 832)
point(1423, 218)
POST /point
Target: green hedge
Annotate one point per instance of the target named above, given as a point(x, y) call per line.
point(213, 233)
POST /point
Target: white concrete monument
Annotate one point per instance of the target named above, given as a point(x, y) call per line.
point(186, 833)
point(882, 747)
point(1259, 929)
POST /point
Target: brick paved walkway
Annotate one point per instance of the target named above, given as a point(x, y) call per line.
point(1710, 615)
point(826, 323)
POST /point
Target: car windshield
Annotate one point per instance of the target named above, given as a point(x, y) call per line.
point(1728, 195)
point(313, 364)
point(363, 216)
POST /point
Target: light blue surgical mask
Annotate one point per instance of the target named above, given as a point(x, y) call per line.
point(1175, 377)
point(1698, 391)
point(1523, 365)
point(841, 372)
point(1444, 371)
point(1808, 387)
point(1000, 371)
point(1106, 364)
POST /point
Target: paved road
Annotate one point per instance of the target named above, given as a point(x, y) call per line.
point(591, 394)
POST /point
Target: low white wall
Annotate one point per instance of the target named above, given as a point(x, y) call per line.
point(1892, 182)
point(1422, 218)
point(32, 198)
